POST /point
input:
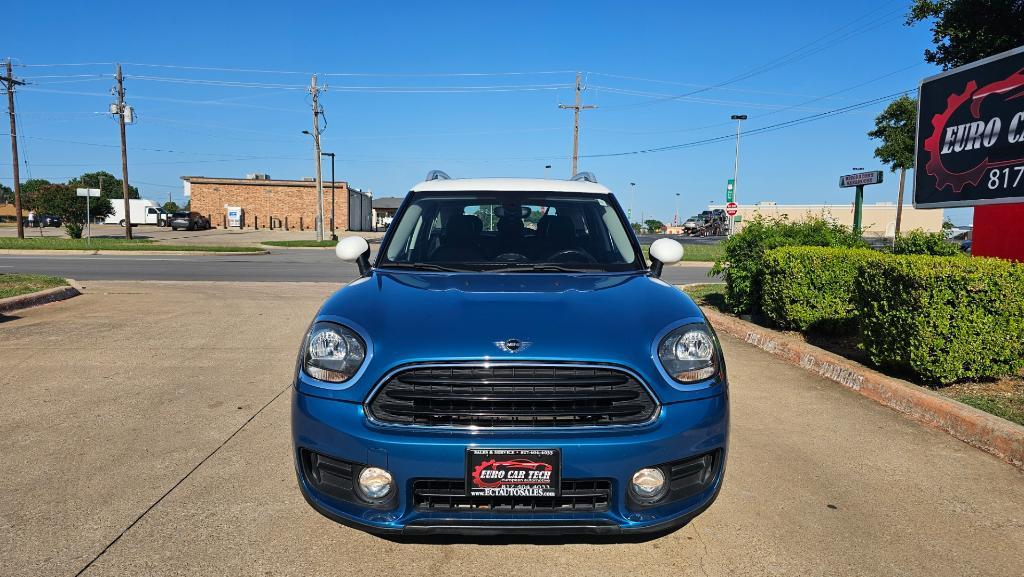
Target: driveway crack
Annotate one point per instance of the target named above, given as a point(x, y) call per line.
point(180, 481)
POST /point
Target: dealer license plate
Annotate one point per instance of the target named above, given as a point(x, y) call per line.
point(513, 472)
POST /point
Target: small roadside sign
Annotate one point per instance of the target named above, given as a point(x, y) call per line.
point(88, 193)
point(731, 209)
point(860, 179)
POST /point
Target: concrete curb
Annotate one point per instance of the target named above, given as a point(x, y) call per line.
point(19, 251)
point(42, 297)
point(977, 428)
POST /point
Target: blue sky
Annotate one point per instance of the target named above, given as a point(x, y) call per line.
point(468, 87)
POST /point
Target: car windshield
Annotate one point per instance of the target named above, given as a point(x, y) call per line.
point(511, 231)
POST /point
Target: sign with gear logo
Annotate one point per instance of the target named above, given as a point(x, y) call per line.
point(970, 135)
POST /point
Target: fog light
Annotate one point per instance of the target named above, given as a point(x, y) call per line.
point(374, 483)
point(649, 484)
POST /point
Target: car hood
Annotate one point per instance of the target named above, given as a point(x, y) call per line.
point(409, 317)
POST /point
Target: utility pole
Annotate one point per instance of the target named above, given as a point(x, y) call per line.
point(315, 91)
point(739, 118)
point(124, 155)
point(576, 108)
point(331, 154)
point(11, 83)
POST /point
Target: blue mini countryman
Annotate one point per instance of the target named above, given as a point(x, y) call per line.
point(509, 364)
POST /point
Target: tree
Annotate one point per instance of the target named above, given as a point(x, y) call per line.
point(61, 201)
point(895, 127)
point(967, 30)
point(171, 206)
point(6, 195)
point(654, 225)
point(111, 186)
point(29, 188)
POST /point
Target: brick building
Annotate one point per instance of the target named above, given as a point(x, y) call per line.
point(279, 203)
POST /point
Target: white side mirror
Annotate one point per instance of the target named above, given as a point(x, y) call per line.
point(666, 250)
point(350, 248)
point(355, 249)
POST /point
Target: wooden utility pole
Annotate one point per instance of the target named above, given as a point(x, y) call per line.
point(315, 91)
point(124, 156)
point(11, 83)
point(576, 108)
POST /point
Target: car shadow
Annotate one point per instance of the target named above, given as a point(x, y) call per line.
point(527, 539)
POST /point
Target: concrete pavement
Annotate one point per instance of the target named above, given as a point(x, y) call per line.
point(159, 407)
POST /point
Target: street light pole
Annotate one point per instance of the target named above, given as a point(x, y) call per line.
point(675, 219)
point(739, 118)
point(632, 198)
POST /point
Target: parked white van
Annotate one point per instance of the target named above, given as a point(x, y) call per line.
point(143, 211)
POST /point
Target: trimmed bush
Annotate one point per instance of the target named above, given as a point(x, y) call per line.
point(944, 319)
point(744, 253)
point(810, 288)
point(921, 242)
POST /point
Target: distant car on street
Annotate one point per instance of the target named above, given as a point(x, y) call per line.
point(45, 220)
point(188, 221)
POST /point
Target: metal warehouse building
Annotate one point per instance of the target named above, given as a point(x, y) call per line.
point(268, 203)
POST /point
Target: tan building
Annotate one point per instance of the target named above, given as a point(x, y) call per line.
point(267, 203)
point(876, 220)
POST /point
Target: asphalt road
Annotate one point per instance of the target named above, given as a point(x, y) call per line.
point(288, 265)
point(144, 429)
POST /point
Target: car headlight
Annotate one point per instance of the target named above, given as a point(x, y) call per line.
point(332, 352)
point(689, 354)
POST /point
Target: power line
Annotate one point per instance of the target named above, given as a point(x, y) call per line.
point(763, 129)
point(790, 57)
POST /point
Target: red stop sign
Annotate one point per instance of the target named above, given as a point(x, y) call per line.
point(730, 209)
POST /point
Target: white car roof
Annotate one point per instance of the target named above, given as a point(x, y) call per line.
point(509, 185)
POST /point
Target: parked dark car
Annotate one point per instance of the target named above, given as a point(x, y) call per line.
point(188, 221)
point(45, 220)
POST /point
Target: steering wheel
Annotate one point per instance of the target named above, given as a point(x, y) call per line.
point(582, 254)
point(510, 257)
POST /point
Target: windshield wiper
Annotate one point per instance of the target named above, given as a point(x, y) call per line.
point(539, 268)
point(423, 266)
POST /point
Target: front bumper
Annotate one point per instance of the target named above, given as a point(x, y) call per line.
point(339, 429)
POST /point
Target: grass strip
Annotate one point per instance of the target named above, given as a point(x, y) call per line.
point(12, 285)
point(119, 244)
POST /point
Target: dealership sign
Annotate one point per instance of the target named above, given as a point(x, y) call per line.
point(970, 134)
point(860, 179)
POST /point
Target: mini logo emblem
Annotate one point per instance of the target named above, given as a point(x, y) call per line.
point(513, 345)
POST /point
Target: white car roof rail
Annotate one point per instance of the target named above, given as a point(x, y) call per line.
point(584, 177)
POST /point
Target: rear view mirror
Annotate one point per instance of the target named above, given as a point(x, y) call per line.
point(664, 251)
point(354, 249)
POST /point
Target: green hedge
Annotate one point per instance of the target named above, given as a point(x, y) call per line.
point(744, 253)
point(809, 288)
point(943, 319)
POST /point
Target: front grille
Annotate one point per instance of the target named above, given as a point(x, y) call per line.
point(449, 495)
point(512, 396)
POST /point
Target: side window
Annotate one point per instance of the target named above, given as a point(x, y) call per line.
point(151, 210)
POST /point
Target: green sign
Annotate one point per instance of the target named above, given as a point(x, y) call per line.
point(738, 218)
point(729, 192)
